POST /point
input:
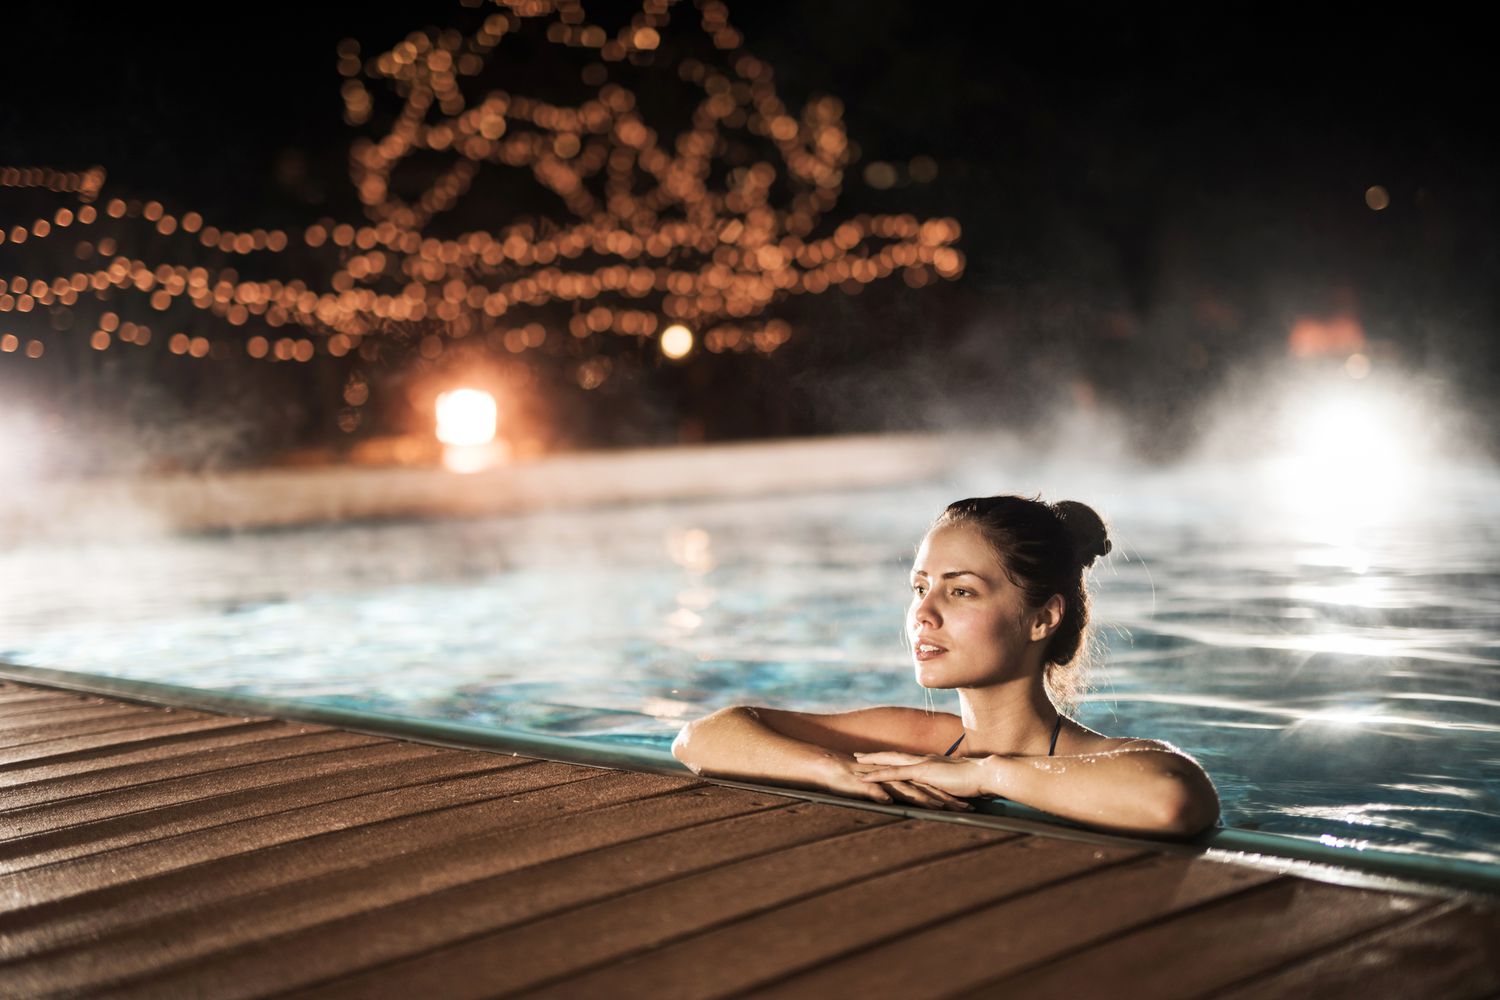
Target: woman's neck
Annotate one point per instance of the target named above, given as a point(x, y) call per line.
point(1014, 717)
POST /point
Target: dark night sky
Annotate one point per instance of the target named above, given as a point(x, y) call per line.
point(1115, 170)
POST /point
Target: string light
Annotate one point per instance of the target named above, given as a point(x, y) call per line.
point(675, 233)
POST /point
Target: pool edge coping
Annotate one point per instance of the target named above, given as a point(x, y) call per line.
point(1383, 870)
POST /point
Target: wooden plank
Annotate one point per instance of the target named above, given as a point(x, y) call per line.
point(322, 927)
point(1214, 945)
point(213, 789)
point(27, 697)
point(1447, 952)
point(385, 766)
point(774, 944)
point(1018, 932)
point(525, 827)
point(520, 957)
point(83, 876)
point(125, 757)
point(205, 761)
point(11, 714)
point(130, 718)
point(69, 748)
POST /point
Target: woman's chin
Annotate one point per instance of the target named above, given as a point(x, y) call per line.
point(929, 675)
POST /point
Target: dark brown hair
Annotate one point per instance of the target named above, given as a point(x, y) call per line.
point(1045, 548)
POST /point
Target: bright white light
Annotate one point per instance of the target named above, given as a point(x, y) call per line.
point(470, 458)
point(466, 417)
point(1350, 454)
point(676, 341)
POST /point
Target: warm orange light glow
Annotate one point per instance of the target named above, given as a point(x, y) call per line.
point(466, 417)
point(676, 341)
point(470, 458)
point(1312, 337)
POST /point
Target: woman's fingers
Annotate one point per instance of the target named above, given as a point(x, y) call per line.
point(899, 772)
point(949, 801)
point(885, 757)
point(907, 792)
point(924, 795)
point(916, 776)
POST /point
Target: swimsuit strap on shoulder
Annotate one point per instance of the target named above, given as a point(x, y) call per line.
point(1050, 750)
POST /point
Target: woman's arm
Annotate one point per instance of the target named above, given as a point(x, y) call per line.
point(1147, 788)
point(811, 751)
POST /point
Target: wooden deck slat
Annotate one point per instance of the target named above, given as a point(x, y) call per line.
point(36, 696)
point(391, 766)
point(70, 748)
point(420, 899)
point(59, 881)
point(488, 965)
point(770, 945)
point(124, 758)
point(201, 791)
point(1018, 932)
point(1190, 954)
point(526, 826)
point(1448, 950)
point(62, 711)
point(24, 712)
point(207, 761)
point(130, 719)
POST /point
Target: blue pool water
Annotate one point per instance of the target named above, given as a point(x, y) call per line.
point(1332, 661)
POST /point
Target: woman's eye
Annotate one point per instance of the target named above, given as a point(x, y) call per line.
point(918, 589)
point(961, 592)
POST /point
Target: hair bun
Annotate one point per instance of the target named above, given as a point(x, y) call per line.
point(1085, 530)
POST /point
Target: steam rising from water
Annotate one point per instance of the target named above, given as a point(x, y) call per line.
point(1305, 603)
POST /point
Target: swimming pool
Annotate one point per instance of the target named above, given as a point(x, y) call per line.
point(1336, 675)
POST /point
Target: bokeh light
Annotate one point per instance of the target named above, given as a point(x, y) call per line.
point(676, 341)
point(657, 226)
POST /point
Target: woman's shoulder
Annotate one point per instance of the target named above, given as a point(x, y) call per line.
point(1081, 739)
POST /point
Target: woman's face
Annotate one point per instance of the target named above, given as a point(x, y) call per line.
point(968, 624)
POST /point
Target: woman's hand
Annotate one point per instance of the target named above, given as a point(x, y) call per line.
point(952, 777)
point(846, 776)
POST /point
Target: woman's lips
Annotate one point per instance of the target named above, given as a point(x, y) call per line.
point(927, 650)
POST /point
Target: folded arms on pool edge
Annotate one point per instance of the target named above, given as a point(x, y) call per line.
point(1139, 787)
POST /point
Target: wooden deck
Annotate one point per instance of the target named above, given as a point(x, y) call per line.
point(153, 852)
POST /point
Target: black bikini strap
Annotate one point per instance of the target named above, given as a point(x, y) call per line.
point(1050, 750)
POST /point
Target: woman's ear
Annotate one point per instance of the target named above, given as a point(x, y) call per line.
point(1047, 618)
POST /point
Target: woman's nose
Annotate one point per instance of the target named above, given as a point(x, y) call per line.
point(926, 612)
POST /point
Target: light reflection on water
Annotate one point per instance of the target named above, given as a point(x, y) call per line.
point(1343, 690)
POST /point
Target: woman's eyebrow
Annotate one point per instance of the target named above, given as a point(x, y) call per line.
point(951, 574)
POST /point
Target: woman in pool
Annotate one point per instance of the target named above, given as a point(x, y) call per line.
point(999, 611)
